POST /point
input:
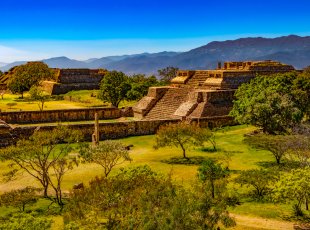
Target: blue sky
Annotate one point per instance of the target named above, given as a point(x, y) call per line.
point(35, 29)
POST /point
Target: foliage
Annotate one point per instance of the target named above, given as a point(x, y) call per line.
point(37, 94)
point(278, 145)
point(274, 103)
point(294, 185)
point(107, 154)
point(19, 197)
point(25, 76)
point(183, 135)
point(299, 149)
point(25, 222)
point(140, 85)
point(212, 174)
point(42, 152)
point(138, 198)
point(114, 88)
point(259, 179)
point(167, 74)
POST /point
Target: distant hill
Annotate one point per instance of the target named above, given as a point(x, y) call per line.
point(3, 64)
point(291, 49)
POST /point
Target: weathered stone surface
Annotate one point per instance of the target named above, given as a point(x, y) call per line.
point(74, 79)
point(204, 93)
point(87, 114)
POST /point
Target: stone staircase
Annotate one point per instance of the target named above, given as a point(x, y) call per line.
point(197, 80)
point(168, 104)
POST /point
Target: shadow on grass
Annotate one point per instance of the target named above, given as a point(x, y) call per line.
point(183, 161)
point(209, 149)
point(285, 165)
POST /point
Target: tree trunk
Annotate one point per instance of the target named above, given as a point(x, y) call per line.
point(184, 153)
point(307, 205)
point(212, 190)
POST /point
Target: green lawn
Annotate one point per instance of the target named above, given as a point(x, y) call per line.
point(72, 100)
point(229, 142)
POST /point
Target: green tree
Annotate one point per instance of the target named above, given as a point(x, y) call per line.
point(140, 85)
point(41, 152)
point(274, 103)
point(19, 197)
point(25, 221)
point(212, 174)
point(294, 186)
point(168, 73)
point(107, 154)
point(37, 94)
point(260, 180)
point(138, 198)
point(278, 145)
point(114, 88)
point(181, 135)
point(23, 77)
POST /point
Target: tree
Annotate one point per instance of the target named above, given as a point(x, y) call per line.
point(139, 198)
point(23, 77)
point(25, 221)
point(140, 85)
point(58, 169)
point(210, 173)
point(274, 103)
point(19, 197)
point(278, 145)
point(168, 73)
point(42, 151)
point(107, 154)
point(294, 186)
point(114, 88)
point(181, 135)
point(37, 94)
point(260, 180)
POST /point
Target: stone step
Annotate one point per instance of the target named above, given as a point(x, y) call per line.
point(168, 104)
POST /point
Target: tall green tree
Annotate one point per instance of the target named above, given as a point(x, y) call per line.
point(294, 185)
point(274, 103)
point(38, 155)
point(114, 88)
point(278, 145)
point(107, 154)
point(211, 173)
point(181, 135)
point(140, 85)
point(261, 181)
point(23, 77)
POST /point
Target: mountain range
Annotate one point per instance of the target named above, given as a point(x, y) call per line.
point(292, 49)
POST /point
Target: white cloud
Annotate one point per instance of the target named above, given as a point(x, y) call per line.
point(9, 54)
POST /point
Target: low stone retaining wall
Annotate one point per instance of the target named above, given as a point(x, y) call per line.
point(117, 130)
point(31, 117)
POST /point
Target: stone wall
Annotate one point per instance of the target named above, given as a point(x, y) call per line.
point(125, 129)
point(27, 117)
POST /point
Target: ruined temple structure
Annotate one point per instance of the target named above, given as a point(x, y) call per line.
point(67, 80)
point(203, 93)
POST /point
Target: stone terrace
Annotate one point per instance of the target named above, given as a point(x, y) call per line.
point(203, 93)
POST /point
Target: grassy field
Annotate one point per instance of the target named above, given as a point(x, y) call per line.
point(229, 142)
point(72, 100)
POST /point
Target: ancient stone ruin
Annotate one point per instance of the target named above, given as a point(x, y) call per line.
point(6, 137)
point(67, 80)
point(202, 93)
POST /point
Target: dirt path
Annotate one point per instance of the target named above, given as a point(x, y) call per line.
point(251, 223)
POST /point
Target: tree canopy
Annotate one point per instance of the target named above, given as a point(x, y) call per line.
point(181, 135)
point(274, 103)
point(114, 87)
point(23, 77)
